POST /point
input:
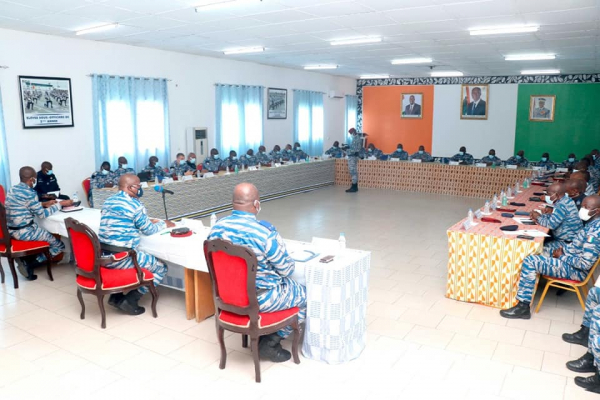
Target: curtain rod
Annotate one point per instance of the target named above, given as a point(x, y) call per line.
point(134, 77)
point(237, 85)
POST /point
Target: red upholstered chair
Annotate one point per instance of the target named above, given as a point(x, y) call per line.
point(86, 184)
point(232, 271)
point(12, 248)
point(94, 278)
point(2, 195)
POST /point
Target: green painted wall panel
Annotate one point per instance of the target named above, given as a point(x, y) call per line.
point(576, 126)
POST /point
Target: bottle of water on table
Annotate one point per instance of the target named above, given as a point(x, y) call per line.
point(213, 219)
point(342, 241)
point(470, 216)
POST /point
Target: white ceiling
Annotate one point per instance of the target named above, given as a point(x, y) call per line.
point(297, 32)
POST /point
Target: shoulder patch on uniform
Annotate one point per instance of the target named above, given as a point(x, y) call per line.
point(267, 225)
point(590, 239)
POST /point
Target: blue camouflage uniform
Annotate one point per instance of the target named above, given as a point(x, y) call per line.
point(122, 219)
point(120, 172)
point(548, 164)
point(231, 162)
point(594, 179)
point(400, 154)
point(569, 164)
point(564, 222)
point(154, 172)
point(249, 161)
point(335, 152)
point(263, 158)
point(213, 164)
point(425, 156)
point(575, 263)
point(22, 205)
point(466, 158)
point(591, 302)
point(353, 154)
point(276, 156)
point(99, 181)
point(522, 162)
point(287, 155)
point(491, 160)
point(374, 153)
point(179, 169)
point(299, 154)
point(591, 319)
point(276, 290)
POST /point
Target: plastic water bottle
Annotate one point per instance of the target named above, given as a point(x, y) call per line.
point(504, 198)
point(509, 192)
point(494, 204)
point(526, 183)
point(307, 159)
point(486, 207)
point(213, 219)
point(236, 169)
point(342, 241)
point(470, 216)
point(517, 188)
point(75, 198)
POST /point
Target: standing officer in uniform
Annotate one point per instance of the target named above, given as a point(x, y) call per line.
point(99, 180)
point(22, 205)
point(213, 163)
point(571, 262)
point(122, 170)
point(353, 154)
point(123, 219)
point(276, 289)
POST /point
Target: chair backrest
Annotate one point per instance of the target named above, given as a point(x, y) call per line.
point(591, 273)
point(86, 249)
point(2, 195)
point(4, 234)
point(86, 184)
point(232, 271)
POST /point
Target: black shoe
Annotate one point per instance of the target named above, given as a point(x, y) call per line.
point(26, 269)
point(580, 337)
point(585, 363)
point(521, 310)
point(269, 348)
point(129, 304)
point(590, 382)
point(353, 188)
point(560, 292)
point(115, 299)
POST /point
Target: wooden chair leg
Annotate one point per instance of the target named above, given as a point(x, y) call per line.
point(49, 264)
point(244, 341)
point(102, 310)
point(581, 302)
point(296, 341)
point(154, 294)
point(542, 298)
point(221, 337)
point(13, 271)
point(2, 272)
point(254, 347)
point(80, 297)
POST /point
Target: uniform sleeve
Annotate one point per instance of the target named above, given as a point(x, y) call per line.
point(455, 157)
point(278, 256)
point(428, 157)
point(143, 223)
point(553, 221)
point(590, 251)
point(39, 211)
point(469, 159)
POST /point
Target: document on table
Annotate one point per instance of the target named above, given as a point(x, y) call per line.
point(527, 232)
point(303, 255)
point(522, 220)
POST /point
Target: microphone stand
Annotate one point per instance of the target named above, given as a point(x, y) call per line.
point(165, 205)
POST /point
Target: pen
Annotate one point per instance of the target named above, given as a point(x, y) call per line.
point(164, 233)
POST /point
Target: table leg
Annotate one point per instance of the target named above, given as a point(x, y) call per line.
point(190, 290)
point(204, 304)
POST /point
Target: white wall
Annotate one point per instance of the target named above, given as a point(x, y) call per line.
point(191, 96)
point(497, 132)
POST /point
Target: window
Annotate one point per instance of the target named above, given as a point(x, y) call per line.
point(309, 121)
point(351, 106)
point(4, 165)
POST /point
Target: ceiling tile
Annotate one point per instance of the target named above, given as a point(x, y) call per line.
point(68, 22)
point(533, 6)
point(152, 22)
point(103, 13)
point(147, 6)
point(420, 14)
point(336, 9)
point(559, 17)
point(385, 5)
point(16, 11)
point(54, 5)
point(481, 9)
point(283, 16)
point(362, 20)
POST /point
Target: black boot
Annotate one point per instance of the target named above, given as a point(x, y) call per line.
point(521, 310)
point(580, 337)
point(589, 382)
point(353, 188)
point(115, 299)
point(269, 348)
point(25, 266)
point(129, 304)
point(585, 363)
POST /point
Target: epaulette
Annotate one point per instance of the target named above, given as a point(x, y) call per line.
point(267, 225)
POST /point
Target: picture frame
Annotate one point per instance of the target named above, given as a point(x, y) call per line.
point(414, 110)
point(46, 102)
point(474, 101)
point(276, 103)
point(544, 112)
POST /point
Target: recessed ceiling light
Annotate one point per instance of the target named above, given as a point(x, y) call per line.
point(421, 60)
point(529, 57)
point(504, 30)
point(96, 29)
point(216, 4)
point(540, 71)
point(322, 66)
point(342, 42)
point(442, 74)
point(375, 76)
point(244, 50)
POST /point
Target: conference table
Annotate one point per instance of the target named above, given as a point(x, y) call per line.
point(484, 262)
point(337, 292)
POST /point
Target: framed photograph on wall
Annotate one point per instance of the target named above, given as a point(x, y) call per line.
point(474, 101)
point(541, 108)
point(412, 105)
point(46, 102)
point(277, 100)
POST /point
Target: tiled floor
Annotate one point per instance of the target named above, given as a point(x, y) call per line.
point(420, 344)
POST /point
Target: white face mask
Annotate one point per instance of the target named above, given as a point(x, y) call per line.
point(549, 200)
point(584, 214)
point(257, 206)
point(124, 166)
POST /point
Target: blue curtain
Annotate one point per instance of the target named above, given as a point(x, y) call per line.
point(131, 119)
point(239, 119)
point(4, 166)
point(309, 121)
point(351, 106)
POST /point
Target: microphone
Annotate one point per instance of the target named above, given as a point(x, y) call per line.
point(161, 189)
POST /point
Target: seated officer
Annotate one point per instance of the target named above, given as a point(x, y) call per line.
point(123, 219)
point(422, 155)
point(576, 191)
point(153, 169)
point(100, 179)
point(122, 170)
point(399, 153)
point(570, 161)
point(288, 153)
point(462, 156)
point(22, 205)
point(276, 154)
point(545, 162)
point(373, 151)
point(335, 151)
point(275, 287)
point(180, 167)
point(249, 159)
point(581, 172)
point(594, 172)
point(191, 161)
point(233, 161)
point(563, 220)
point(299, 154)
point(46, 183)
point(571, 262)
point(519, 160)
point(262, 156)
point(491, 158)
point(213, 163)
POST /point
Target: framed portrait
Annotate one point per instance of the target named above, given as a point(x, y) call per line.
point(541, 108)
point(474, 101)
point(412, 105)
point(277, 100)
point(46, 102)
